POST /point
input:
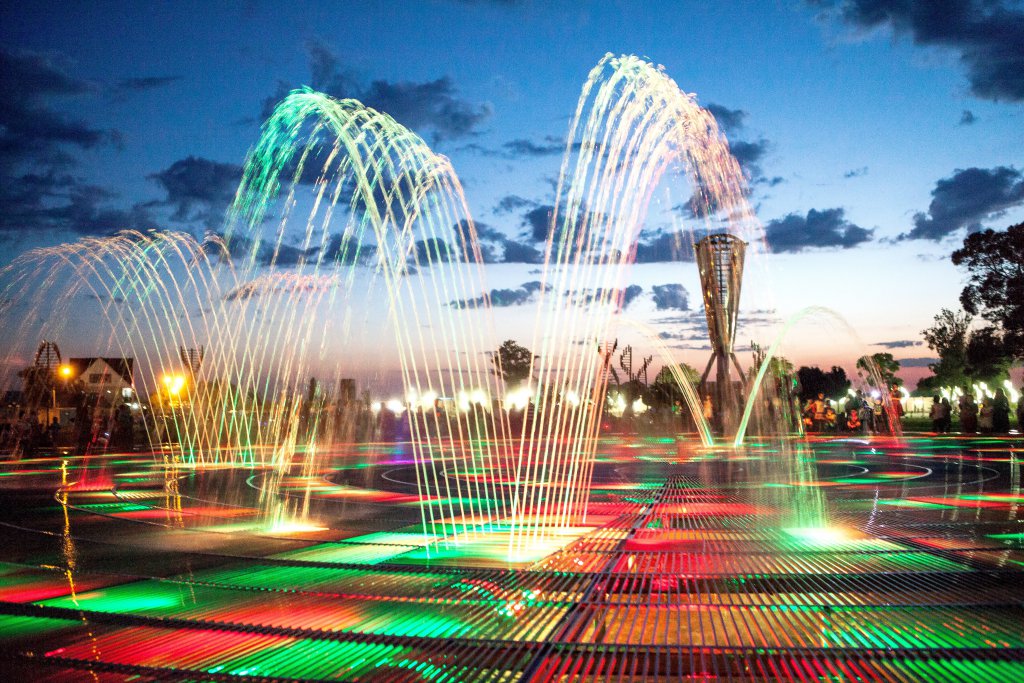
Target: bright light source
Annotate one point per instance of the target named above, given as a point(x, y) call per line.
point(518, 399)
point(572, 398)
point(428, 399)
point(616, 404)
point(395, 406)
point(174, 384)
point(286, 526)
point(820, 535)
point(65, 371)
point(375, 407)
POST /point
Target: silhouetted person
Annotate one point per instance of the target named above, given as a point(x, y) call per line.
point(53, 432)
point(1000, 413)
point(936, 414)
point(968, 414)
point(986, 416)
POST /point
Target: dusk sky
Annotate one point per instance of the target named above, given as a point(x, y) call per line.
point(873, 134)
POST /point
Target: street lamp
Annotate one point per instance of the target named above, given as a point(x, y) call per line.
point(174, 384)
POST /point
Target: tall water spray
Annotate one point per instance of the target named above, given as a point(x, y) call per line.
point(333, 189)
point(632, 125)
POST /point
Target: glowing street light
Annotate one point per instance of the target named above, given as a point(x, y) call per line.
point(174, 384)
point(65, 371)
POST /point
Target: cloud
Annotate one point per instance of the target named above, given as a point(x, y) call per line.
point(512, 202)
point(29, 122)
point(493, 243)
point(522, 148)
point(503, 298)
point(729, 120)
point(988, 35)
point(967, 118)
point(759, 317)
point(585, 297)
point(671, 297)
point(749, 155)
point(967, 198)
point(528, 291)
point(527, 148)
point(269, 285)
point(435, 106)
point(666, 247)
point(856, 172)
point(539, 227)
point(141, 84)
point(36, 189)
point(538, 222)
point(38, 143)
point(432, 250)
point(899, 344)
point(818, 229)
point(340, 250)
point(916, 362)
point(517, 252)
point(198, 189)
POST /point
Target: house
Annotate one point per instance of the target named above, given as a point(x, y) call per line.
point(102, 375)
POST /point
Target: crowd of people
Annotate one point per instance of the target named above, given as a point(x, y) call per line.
point(860, 414)
point(27, 433)
point(991, 416)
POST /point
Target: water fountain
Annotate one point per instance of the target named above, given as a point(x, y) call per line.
point(476, 547)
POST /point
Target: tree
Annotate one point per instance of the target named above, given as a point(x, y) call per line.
point(885, 364)
point(513, 363)
point(948, 339)
point(666, 376)
point(813, 381)
point(780, 368)
point(995, 289)
point(987, 360)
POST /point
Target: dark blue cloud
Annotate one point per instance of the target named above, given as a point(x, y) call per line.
point(671, 297)
point(817, 229)
point(899, 344)
point(967, 198)
point(988, 35)
point(198, 190)
point(729, 120)
point(435, 107)
point(917, 362)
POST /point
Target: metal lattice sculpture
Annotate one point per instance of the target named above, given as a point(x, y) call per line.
point(720, 262)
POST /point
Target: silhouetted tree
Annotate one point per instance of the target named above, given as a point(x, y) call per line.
point(987, 360)
point(780, 368)
point(665, 390)
point(947, 337)
point(813, 381)
point(665, 376)
point(886, 365)
point(512, 363)
point(995, 289)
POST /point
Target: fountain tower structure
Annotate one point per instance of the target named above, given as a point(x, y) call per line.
point(720, 263)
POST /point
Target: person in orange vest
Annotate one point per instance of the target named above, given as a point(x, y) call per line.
point(819, 413)
point(853, 421)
